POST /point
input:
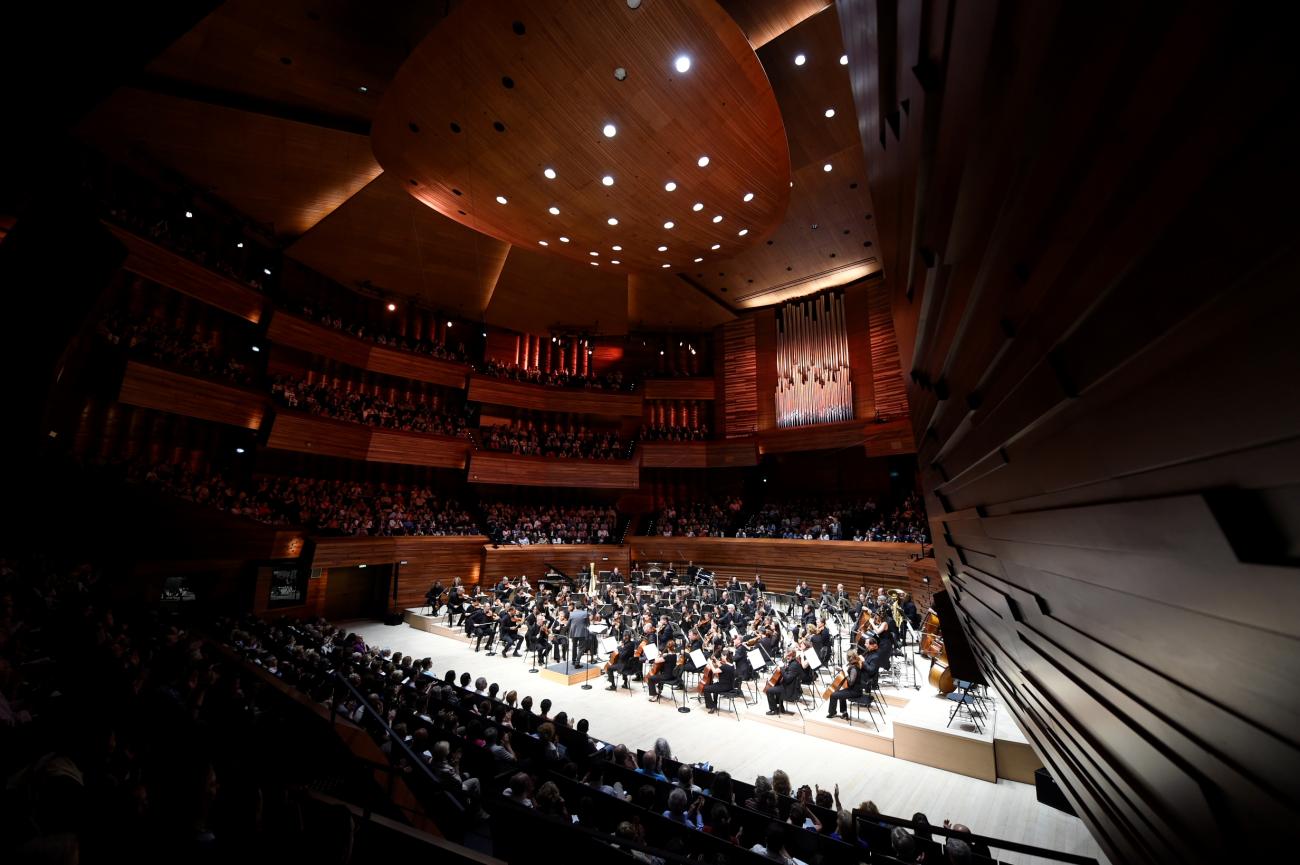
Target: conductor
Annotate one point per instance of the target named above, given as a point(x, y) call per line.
point(579, 632)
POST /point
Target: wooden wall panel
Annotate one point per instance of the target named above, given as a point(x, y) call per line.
point(783, 563)
point(765, 368)
point(571, 559)
point(315, 435)
point(166, 390)
point(739, 392)
point(699, 455)
point(417, 449)
point(680, 388)
point(295, 332)
point(426, 558)
point(888, 388)
point(418, 367)
point(1107, 409)
point(180, 274)
point(490, 467)
point(495, 391)
point(857, 322)
point(884, 439)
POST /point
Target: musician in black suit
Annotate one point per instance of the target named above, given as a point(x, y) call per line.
point(509, 630)
point(724, 680)
point(431, 597)
point(538, 638)
point(626, 663)
point(875, 661)
point(759, 585)
point(852, 687)
point(744, 668)
point(455, 602)
point(790, 688)
point(668, 672)
point(578, 633)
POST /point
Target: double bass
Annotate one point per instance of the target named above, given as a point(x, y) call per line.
point(932, 647)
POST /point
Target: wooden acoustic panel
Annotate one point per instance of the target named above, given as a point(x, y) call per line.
point(490, 467)
point(764, 20)
point(552, 90)
point(495, 391)
point(783, 563)
point(879, 439)
point(426, 559)
point(391, 361)
point(1098, 333)
point(165, 267)
point(536, 293)
point(665, 301)
point(680, 388)
point(307, 433)
point(417, 449)
point(699, 455)
point(166, 390)
point(574, 560)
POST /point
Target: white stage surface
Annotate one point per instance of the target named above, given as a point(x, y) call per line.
point(913, 762)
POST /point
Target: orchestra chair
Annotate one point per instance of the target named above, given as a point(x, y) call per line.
point(966, 704)
point(730, 697)
point(868, 702)
point(982, 700)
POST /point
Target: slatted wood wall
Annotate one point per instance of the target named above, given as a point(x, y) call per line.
point(1088, 223)
point(739, 384)
point(887, 382)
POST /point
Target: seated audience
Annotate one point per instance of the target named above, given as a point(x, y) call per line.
point(553, 524)
point(526, 438)
point(159, 341)
point(556, 377)
point(334, 401)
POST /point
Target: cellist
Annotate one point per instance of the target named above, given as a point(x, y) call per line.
point(724, 680)
point(852, 687)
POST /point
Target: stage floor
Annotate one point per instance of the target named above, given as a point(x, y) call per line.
point(860, 760)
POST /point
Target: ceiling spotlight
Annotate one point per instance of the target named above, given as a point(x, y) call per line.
point(826, 167)
point(716, 246)
point(553, 210)
point(594, 263)
point(743, 232)
point(548, 173)
point(607, 180)
point(844, 60)
point(362, 565)
point(485, 334)
point(683, 63)
point(501, 199)
point(189, 215)
point(239, 450)
point(697, 206)
point(718, 218)
point(363, 89)
point(542, 243)
point(616, 248)
point(593, 254)
point(620, 73)
point(609, 130)
point(449, 324)
point(830, 112)
point(800, 60)
point(615, 261)
point(661, 352)
point(670, 186)
point(255, 348)
point(749, 196)
point(633, 4)
point(392, 307)
point(663, 249)
point(698, 260)
point(266, 270)
point(239, 245)
point(702, 161)
point(563, 239)
point(669, 224)
point(612, 221)
point(665, 265)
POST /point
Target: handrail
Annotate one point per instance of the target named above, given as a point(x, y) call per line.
point(991, 843)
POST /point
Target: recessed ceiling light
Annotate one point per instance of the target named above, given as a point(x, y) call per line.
point(718, 218)
point(830, 112)
point(800, 60)
point(670, 186)
point(844, 60)
point(826, 167)
point(716, 246)
point(697, 206)
point(663, 249)
point(743, 232)
point(549, 173)
point(189, 215)
point(239, 245)
point(615, 261)
point(749, 196)
point(501, 199)
point(607, 180)
point(240, 451)
point(609, 130)
point(665, 265)
point(702, 161)
point(392, 307)
point(669, 224)
point(363, 89)
point(593, 254)
point(266, 270)
point(449, 324)
point(616, 248)
point(683, 63)
point(594, 263)
point(543, 243)
point(563, 239)
point(698, 260)
point(256, 348)
point(612, 221)
point(553, 210)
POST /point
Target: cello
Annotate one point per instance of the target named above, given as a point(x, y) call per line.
point(706, 678)
point(774, 681)
point(841, 678)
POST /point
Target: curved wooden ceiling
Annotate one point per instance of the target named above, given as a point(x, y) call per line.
point(435, 129)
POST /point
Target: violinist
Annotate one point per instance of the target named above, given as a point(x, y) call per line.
point(820, 639)
point(502, 587)
point(851, 689)
point(509, 628)
point(623, 662)
point(724, 680)
point(665, 671)
point(744, 669)
point(789, 686)
point(455, 602)
point(825, 599)
point(885, 631)
point(539, 637)
point(874, 661)
point(694, 641)
point(726, 618)
point(809, 616)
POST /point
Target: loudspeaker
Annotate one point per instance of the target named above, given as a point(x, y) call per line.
point(1049, 792)
point(393, 619)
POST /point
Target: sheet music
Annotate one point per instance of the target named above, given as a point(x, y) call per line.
point(810, 655)
point(698, 659)
point(606, 645)
point(832, 628)
point(598, 628)
point(651, 651)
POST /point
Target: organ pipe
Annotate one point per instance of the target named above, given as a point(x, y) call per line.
point(814, 382)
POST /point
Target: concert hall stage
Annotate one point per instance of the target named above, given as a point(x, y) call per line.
point(915, 725)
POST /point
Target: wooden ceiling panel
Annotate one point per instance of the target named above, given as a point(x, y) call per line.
point(552, 89)
point(333, 48)
point(284, 174)
point(383, 237)
point(664, 301)
point(537, 292)
point(764, 20)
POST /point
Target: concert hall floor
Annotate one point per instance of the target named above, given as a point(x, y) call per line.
point(749, 748)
